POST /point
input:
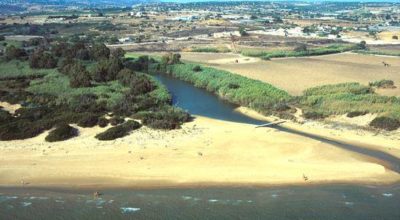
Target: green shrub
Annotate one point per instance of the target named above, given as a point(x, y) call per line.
point(386, 123)
point(5, 116)
point(88, 121)
point(118, 131)
point(166, 118)
point(356, 114)
point(61, 133)
point(299, 52)
point(383, 84)
point(103, 122)
point(116, 120)
point(197, 68)
point(313, 115)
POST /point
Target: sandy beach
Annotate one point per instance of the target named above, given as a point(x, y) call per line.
point(204, 152)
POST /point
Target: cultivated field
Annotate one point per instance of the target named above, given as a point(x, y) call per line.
point(297, 74)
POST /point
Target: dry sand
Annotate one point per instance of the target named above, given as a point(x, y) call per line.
point(205, 152)
point(9, 107)
point(297, 74)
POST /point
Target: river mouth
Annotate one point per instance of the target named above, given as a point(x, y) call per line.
point(201, 102)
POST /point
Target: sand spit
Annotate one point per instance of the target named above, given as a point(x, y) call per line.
point(205, 152)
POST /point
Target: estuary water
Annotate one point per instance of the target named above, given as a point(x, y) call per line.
point(325, 202)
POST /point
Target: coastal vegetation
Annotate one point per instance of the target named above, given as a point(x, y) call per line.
point(118, 131)
point(384, 83)
point(75, 83)
point(351, 99)
point(61, 133)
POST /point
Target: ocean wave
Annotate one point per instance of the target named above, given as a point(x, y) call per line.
point(26, 204)
point(129, 209)
point(5, 198)
point(387, 194)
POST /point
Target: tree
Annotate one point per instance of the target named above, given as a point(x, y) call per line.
point(126, 76)
point(362, 45)
point(99, 51)
point(170, 59)
point(118, 53)
point(100, 72)
point(107, 70)
point(13, 52)
point(79, 76)
point(42, 59)
point(242, 31)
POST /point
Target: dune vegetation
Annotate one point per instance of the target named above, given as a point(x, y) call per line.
point(77, 83)
point(351, 98)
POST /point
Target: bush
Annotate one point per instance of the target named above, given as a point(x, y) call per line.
point(383, 84)
point(386, 123)
point(126, 76)
point(13, 52)
point(61, 133)
point(118, 131)
point(116, 120)
point(356, 114)
point(99, 51)
point(196, 68)
point(103, 122)
point(88, 121)
point(107, 70)
point(313, 115)
point(79, 77)
point(40, 59)
point(5, 116)
point(22, 129)
point(300, 48)
point(167, 118)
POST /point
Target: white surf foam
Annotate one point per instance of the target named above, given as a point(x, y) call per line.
point(129, 209)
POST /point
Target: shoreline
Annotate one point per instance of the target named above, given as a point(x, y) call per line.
point(388, 141)
point(165, 161)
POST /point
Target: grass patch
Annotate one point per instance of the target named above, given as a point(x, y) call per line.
point(20, 69)
point(384, 83)
point(58, 85)
point(210, 49)
point(375, 52)
point(346, 98)
point(266, 55)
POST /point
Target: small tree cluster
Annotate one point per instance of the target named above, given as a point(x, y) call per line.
point(42, 59)
point(13, 52)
